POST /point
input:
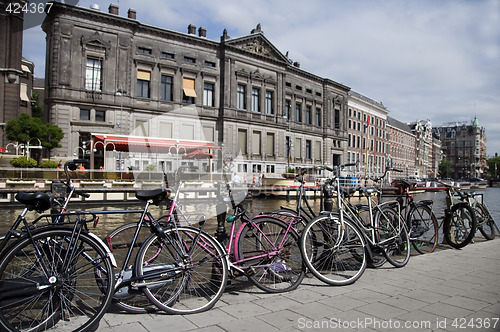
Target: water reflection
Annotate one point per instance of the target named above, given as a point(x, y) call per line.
point(254, 206)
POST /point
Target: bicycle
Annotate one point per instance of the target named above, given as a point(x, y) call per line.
point(485, 222)
point(460, 220)
point(56, 275)
point(386, 232)
point(263, 248)
point(332, 246)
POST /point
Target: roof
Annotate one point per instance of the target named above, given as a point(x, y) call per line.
point(398, 124)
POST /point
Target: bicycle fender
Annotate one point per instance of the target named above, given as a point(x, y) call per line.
point(105, 247)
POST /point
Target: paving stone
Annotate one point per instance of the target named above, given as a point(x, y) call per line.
point(250, 324)
point(244, 310)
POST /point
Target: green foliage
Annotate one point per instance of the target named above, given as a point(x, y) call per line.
point(48, 164)
point(494, 166)
point(445, 168)
point(36, 108)
point(51, 136)
point(150, 167)
point(23, 162)
point(24, 128)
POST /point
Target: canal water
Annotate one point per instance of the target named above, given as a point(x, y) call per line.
point(254, 206)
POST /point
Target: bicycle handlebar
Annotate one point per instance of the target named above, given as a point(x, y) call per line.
point(71, 165)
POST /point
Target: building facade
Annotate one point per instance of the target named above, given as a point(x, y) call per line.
point(367, 140)
point(464, 144)
point(402, 148)
point(16, 73)
point(110, 77)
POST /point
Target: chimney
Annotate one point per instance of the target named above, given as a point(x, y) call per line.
point(192, 29)
point(95, 7)
point(132, 14)
point(113, 9)
point(202, 32)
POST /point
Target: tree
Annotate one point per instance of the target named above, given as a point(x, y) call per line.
point(51, 136)
point(445, 168)
point(36, 108)
point(494, 166)
point(24, 128)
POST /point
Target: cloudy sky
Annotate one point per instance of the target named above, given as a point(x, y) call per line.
point(426, 59)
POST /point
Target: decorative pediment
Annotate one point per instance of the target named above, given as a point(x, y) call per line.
point(95, 43)
point(258, 44)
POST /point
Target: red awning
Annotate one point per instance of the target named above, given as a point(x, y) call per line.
point(149, 144)
point(2, 149)
point(198, 154)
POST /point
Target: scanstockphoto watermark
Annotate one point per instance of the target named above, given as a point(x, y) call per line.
point(375, 323)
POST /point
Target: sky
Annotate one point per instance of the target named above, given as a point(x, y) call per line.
point(436, 60)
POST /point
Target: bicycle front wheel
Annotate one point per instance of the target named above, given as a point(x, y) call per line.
point(55, 280)
point(184, 271)
point(485, 221)
point(269, 251)
point(424, 229)
point(460, 225)
point(393, 236)
point(338, 251)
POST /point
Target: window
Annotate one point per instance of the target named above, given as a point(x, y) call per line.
point(166, 55)
point(317, 151)
point(270, 144)
point(187, 131)
point(256, 150)
point(337, 119)
point(287, 146)
point(208, 94)
point(255, 100)
point(288, 109)
point(85, 115)
point(189, 93)
point(100, 116)
point(144, 50)
point(242, 141)
point(308, 115)
point(165, 130)
point(241, 102)
point(188, 59)
point(166, 93)
point(93, 74)
point(318, 117)
point(210, 64)
point(308, 150)
point(143, 80)
point(298, 112)
point(141, 128)
point(298, 148)
point(269, 103)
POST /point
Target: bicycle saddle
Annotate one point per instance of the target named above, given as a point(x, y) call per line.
point(348, 191)
point(367, 191)
point(35, 201)
point(156, 195)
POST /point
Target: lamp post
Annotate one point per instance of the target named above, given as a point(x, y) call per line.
point(15, 145)
point(289, 145)
point(120, 125)
point(104, 146)
point(177, 149)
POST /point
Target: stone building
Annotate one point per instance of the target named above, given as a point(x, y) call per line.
point(128, 94)
point(16, 73)
point(367, 142)
point(427, 149)
point(464, 144)
point(402, 148)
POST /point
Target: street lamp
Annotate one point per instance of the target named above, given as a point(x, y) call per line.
point(289, 145)
point(104, 146)
point(177, 149)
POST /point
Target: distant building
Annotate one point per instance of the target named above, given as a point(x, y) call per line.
point(111, 81)
point(464, 144)
point(427, 149)
point(402, 148)
point(367, 142)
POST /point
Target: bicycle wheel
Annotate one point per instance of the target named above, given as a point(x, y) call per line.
point(269, 251)
point(55, 280)
point(128, 298)
point(393, 236)
point(377, 257)
point(182, 272)
point(460, 225)
point(424, 229)
point(485, 221)
point(340, 257)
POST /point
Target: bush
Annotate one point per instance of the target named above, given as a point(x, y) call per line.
point(48, 164)
point(23, 162)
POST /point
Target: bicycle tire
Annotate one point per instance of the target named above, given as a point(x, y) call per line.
point(393, 236)
point(194, 270)
point(485, 221)
point(460, 225)
point(128, 298)
point(377, 257)
point(335, 263)
point(424, 232)
point(73, 297)
point(269, 251)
